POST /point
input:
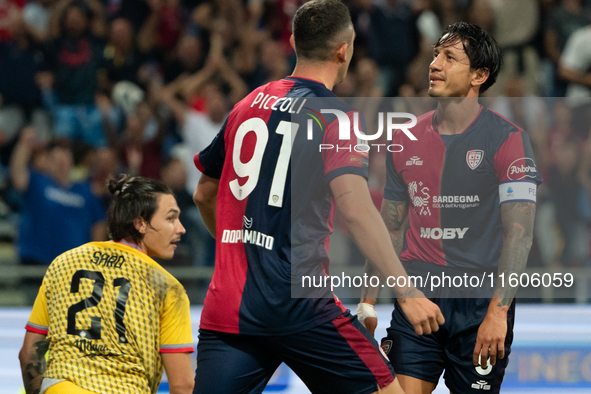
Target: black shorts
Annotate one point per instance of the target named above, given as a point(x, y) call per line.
point(425, 357)
point(339, 356)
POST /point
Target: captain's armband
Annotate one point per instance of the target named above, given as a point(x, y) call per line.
point(514, 191)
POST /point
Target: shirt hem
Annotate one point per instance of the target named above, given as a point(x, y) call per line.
point(179, 350)
point(279, 331)
point(36, 330)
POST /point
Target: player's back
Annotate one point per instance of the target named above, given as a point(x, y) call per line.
point(262, 161)
point(104, 301)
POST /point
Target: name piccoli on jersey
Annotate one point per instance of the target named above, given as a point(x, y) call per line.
point(282, 104)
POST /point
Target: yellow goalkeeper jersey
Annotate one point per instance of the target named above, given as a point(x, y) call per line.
point(108, 311)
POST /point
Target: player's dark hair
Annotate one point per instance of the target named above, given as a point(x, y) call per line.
point(318, 28)
point(480, 47)
point(134, 197)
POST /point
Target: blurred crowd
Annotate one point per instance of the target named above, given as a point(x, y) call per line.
point(93, 88)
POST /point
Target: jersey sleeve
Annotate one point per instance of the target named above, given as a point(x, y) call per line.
point(516, 169)
point(344, 156)
point(175, 322)
point(395, 189)
point(210, 161)
point(39, 319)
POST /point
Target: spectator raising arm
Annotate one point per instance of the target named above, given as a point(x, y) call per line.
point(216, 65)
point(19, 161)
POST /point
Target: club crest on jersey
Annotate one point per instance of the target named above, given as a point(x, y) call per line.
point(386, 346)
point(474, 158)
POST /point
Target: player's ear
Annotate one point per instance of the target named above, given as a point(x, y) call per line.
point(292, 42)
point(342, 52)
point(140, 225)
point(480, 76)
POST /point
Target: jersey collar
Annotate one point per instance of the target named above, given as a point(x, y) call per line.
point(130, 244)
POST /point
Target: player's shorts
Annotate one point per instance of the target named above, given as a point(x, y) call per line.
point(67, 387)
point(339, 356)
point(425, 357)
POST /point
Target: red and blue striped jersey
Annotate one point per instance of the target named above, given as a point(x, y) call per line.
point(455, 192)
point(274, 210)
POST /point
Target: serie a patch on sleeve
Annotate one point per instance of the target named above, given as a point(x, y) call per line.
point(513, 191)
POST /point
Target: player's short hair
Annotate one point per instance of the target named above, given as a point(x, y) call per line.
point(319, 26)
point(133, 197)
point(480, 47)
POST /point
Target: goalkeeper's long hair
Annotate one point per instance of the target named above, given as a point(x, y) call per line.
point(134, 197)
point(480, 47)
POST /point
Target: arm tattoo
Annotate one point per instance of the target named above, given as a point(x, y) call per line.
point(395, 216)
point(518, 225)
point(409, 293)
point(343, 194)
point(34, 370)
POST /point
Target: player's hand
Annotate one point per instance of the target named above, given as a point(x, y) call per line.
point(367, 315)
point(423, 314)
point(490, 341)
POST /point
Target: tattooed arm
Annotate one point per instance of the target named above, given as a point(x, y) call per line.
point(32, 358)
point(518, 226)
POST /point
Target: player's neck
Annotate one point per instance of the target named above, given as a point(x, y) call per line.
point(453, 116)
point(321, 72)
point(130, 243)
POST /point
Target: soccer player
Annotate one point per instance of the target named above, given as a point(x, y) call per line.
point(110, 316)
point(250, 322)
point(485, 163)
